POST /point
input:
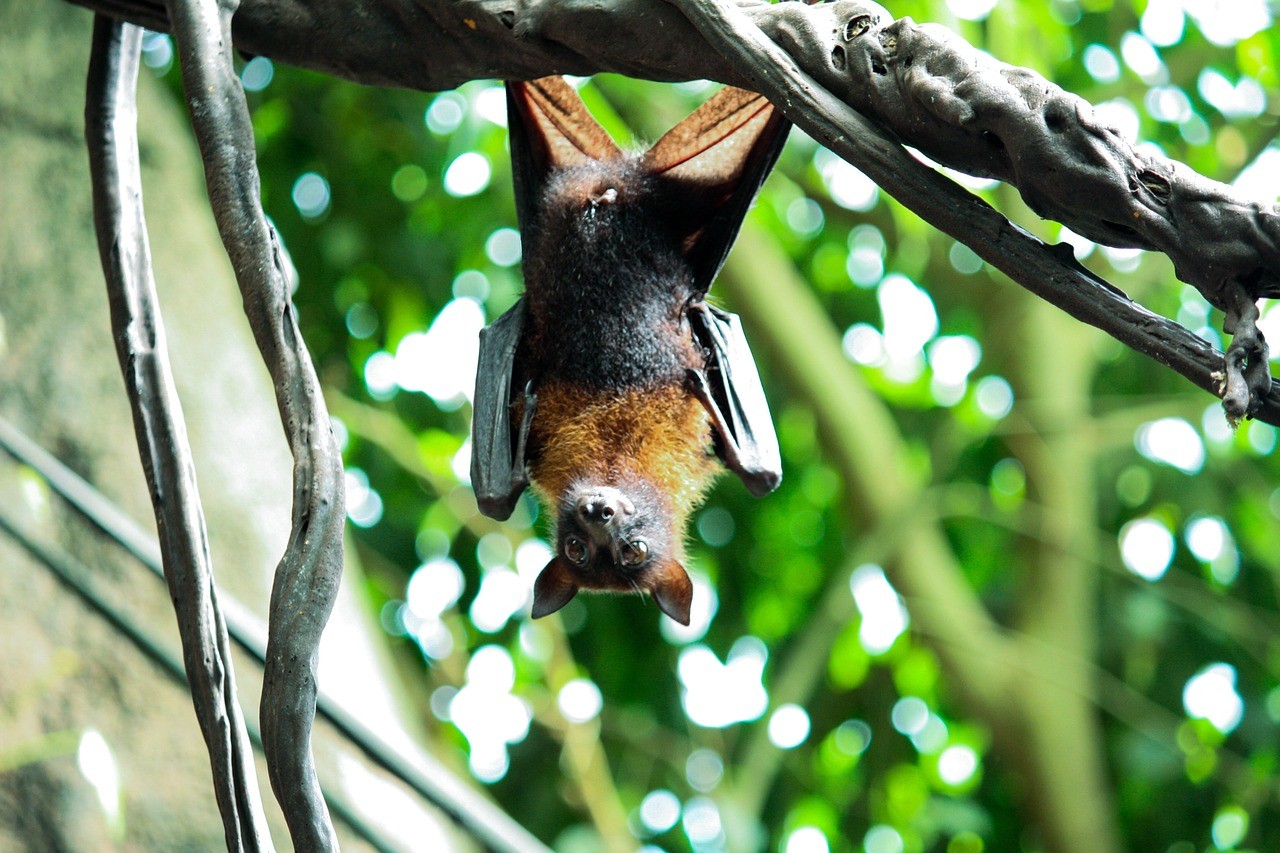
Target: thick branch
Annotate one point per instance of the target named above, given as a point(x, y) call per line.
point(1050, 272)
point(432, 45)
point(929, 87)
point(308, 574)
point(111, 132)
point(979, 115)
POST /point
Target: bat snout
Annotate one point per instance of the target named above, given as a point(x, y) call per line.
point(598, 508)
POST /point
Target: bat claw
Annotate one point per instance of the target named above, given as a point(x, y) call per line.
point(1248, 373)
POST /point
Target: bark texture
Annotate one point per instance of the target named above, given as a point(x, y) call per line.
point(307, 577)
point(111, 133)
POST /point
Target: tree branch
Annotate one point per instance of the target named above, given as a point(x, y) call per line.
point(1049, 145)
point(1062, 753)
point(111, 123)
point(827, 67)
point(307, 577)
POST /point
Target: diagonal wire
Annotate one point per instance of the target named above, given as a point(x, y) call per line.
point(77, 578)
point(430, 780)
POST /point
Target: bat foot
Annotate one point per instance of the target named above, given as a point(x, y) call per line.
point(1248, 372)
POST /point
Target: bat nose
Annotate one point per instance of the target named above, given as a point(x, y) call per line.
point(599, 509)
point(603, 504)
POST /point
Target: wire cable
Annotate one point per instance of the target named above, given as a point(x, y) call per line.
point(481, 818)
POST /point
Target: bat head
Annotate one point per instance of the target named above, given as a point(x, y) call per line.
point(615, 538)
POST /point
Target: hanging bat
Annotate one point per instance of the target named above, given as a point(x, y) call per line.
point(611, 384)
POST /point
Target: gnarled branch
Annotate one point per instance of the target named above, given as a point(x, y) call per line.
point(307, 577)
point(111, 119)
point(831, 66)
point(934, 91)
point(862, 83)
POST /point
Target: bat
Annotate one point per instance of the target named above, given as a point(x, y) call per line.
point(612, 386)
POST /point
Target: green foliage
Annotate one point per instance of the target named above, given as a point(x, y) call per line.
point(1171, 517)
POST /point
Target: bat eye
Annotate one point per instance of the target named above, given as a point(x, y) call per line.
point(634, 553)
point(576, 550)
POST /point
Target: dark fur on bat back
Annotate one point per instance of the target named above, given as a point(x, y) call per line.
point(606, 280)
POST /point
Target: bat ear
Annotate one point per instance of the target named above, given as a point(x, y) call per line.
point(554, 588)
point(672, 590)
point(718, 157)
point(550, 129)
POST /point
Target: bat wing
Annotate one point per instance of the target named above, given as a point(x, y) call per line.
point(550, 129)
point(497, 455)
point(730, 389)
point(720, 154)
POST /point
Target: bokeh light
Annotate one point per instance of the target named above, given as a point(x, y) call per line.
point(718, 695)
point(1101, 63)
point(957, 764)
point(487, 714)
point(995, 397)
point(884, 617)
point(883, 839)
point(445, 113)
point(257, 73)
point(502, 595)
point(1143, 60)
point(806, 839)
point(847, 185)
point(1230, 826)
point(364, 504)
point(1211, 695)
point(441, 362)
point(909, 318)
point(1226, 23)
point(311, 195)
point(580, 700)
point(971, 10)
point(467, 175)
point(704, 769)
point(1171, 441)
point(503, 247)
point(701, 821)
point(660, 810)
point(788, 726)
point(1146, 546)
point(97, 764)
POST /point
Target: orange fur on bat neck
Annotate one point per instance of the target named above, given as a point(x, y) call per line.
point(662, 435)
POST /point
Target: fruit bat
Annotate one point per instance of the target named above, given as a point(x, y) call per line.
point(611, 384)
